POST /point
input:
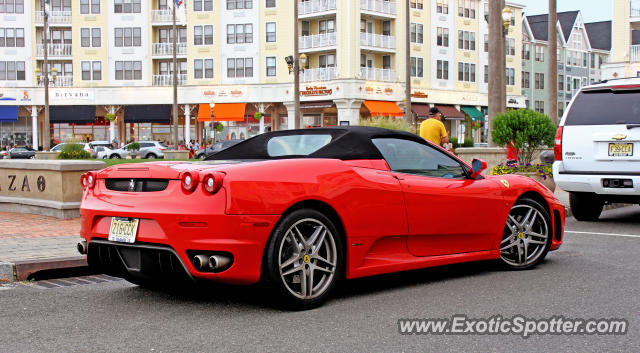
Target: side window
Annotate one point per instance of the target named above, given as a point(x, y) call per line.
point(411, 157)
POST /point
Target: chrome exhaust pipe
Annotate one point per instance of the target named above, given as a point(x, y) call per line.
point(82, 247)
point(200, 262)
point(218, 261)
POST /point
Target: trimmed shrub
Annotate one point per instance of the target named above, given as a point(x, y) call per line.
point(529, 130)
point(468, 142)
point(74, 151)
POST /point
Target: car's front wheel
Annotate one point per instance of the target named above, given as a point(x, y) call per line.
point(584, 206)
point(114, 156)
point(151, 156)
point(304, 258)
point(527, 235)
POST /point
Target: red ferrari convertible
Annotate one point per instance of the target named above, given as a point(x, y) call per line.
point(302, 209)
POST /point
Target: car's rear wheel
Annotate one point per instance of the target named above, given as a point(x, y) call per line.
point(151, 156)
point(202, 156)
point(114, 156)
point(585, 207)
point(527, 235)
point(304, 258)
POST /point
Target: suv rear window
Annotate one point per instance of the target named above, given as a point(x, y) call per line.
point(605, 107)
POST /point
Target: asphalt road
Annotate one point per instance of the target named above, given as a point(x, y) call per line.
point(594, 275)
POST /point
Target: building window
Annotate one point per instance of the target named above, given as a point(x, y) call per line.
point(270, 3)
point(539, 80)
point(416, 33)
point(11, 37)
point(443, 37)
point(560, 82)
point(329, 26)
point(271, 31)
point(466, 40)
point(486, 74)
point(126, 6)
point(486, 43)
point(238, 34)
point(325, 61)
point(271, 66)
point(91, 70)
point(510, 48)
point(568, 80)
point(511, 76)
point(304, 25)
point(87, 6)
point(240, 67)
point(417, 67)
point(539, 106)
point(239, 4)
point(467, 8)
point(526, 51)
point(165, 35)
point(416, 4)
point(560, 110)
point(525, 79)
point(593, 60)
point(128, 70)
point(202, 5)
point(128, 36)
point(90, 37)
point(584, 60)
point(442, 6)
point(12, 71)
point(442, 72)
point(203, 35)
point(202, 68)
point(11, 6)
point(466, 72)
point(539, 53)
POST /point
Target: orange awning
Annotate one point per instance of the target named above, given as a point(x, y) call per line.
point(385, 108)
point(222, 112)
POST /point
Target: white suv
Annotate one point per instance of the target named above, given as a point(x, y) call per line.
point(597, 147)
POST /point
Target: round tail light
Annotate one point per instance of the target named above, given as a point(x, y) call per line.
point(91, 180)
point(189, 181)
point(212, 182)
point(83, 181)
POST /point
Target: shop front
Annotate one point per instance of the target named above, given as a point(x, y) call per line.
point(75, 122)
point(372, 108)
point(15, 127)
point(454, 121)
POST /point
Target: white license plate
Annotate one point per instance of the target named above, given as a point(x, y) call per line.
point(123, 230)
point(621, 149)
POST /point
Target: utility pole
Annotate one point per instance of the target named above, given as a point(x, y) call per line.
point(497, 99)
point(296, 67)
point(174, 126)
point(408, 115)
point(46, 129)
point(552, 91)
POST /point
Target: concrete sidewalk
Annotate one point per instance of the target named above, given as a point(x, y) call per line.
point(31, 243)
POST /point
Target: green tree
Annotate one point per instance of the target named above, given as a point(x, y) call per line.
point(530, 131)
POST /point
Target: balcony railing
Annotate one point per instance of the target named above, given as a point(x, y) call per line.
point(377, 41)
point(314, 6)
point(635, 8)
point(317, 41)
point(318, 74)
point(167, 48)
point(373, 74)
point(634, 53)
point(61, 81)
point(167, 80)
point(162, 15)
point(379, 6)
point(55, 50)
point(55, 17)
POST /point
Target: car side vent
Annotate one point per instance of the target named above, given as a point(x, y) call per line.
point(136, 185)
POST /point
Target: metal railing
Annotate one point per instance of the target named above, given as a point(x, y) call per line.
point(55, 17)
point(61, 81)
point(167, 48)
point(314, 6)
point(377, 40)
point(374, 74)
point(635, 8)
point(317, 41)
point(55, 50)
point(318, 74)
point(167, 80)
point(380, 6)
point(634, 55)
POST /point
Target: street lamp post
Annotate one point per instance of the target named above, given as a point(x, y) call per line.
point(213, 137)
point(44, 78)
point(499, 19)
point(296, 65)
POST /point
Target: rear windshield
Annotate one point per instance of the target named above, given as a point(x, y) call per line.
point(296, 145)
point(605, 108)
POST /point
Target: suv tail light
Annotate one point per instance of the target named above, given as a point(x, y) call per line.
point(557, 146)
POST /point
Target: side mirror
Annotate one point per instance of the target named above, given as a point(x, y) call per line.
point(477, 166)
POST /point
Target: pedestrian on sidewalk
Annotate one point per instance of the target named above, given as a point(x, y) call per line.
point(433, 129)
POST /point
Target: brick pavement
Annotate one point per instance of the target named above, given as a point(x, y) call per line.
point(23, 225)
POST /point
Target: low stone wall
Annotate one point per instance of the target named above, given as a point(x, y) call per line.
point(46, 187)
point(46, 155)
point(492, 155)
point(176, 154)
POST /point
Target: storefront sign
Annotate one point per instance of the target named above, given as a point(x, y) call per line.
point(72, 94)
point(419, 94)
point(25, 97)
point(316, 91)
point(236, 93)
point(388, 91)
point(209, 93)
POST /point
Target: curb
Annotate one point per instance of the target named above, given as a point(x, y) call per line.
point(21, 270)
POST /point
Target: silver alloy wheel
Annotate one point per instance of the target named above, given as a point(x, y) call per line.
point(307, 258)
point(525, 237)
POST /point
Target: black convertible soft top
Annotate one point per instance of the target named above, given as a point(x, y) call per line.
point(347, 143)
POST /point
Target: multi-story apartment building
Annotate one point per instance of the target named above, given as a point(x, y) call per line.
point(582, 49)
point(625, 55)
point(115, 56)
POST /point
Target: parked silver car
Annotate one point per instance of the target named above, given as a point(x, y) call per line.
point(148, 149)
point(102, 152)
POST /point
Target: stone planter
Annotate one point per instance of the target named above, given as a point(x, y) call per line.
point(549, 182)
point(176, 154)
point(46, 155)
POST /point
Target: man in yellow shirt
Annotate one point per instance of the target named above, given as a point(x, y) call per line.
point(433, 129)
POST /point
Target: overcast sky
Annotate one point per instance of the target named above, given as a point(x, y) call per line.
point(592, 10)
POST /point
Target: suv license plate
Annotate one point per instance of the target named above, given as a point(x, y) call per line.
point(621, 149)
point(123, 230)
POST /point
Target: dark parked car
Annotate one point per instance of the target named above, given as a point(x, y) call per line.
point(22, 153)
point(217, 147)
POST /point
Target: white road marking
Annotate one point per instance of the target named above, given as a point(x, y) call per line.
point(612, 234)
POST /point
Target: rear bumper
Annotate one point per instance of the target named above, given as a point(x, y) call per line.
point(592, 183)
